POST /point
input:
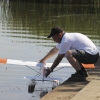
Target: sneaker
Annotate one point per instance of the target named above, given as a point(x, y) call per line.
point(77, 77)
point(86, 73)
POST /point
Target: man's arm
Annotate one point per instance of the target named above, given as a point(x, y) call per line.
point(50, 54)
point(55, 63)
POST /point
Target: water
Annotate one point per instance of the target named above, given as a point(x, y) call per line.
point(24, 27)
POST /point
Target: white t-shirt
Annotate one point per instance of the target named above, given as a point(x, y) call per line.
point(76, 41)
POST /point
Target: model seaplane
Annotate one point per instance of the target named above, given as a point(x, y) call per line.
point(41, 74)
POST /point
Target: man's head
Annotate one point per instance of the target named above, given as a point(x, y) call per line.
point(55, 30)
point(56, 34)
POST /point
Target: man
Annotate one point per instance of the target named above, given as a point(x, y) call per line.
point(76, 47)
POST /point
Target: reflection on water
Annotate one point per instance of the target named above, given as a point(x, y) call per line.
point(24, 27)
point(36, 19)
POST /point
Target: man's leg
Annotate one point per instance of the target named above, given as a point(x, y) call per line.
point(73, 61)
point(75, 58)
point(81, 73)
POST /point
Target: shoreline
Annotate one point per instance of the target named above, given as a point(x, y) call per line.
point(75, 90)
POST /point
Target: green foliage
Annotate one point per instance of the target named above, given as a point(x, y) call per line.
point(71, 1)
point(66, 1)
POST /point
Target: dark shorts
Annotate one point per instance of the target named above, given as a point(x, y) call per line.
point(84, 57)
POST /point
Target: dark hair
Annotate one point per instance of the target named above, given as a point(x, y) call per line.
point(55, 30)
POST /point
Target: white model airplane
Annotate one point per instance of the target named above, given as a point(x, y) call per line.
point(41, 74)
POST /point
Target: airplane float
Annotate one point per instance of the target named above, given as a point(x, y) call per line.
point(41, 74)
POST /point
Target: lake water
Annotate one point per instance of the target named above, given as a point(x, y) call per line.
point(24, 27)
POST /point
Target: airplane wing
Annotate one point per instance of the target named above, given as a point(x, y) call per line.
point(41, 78)
point(32, 63)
